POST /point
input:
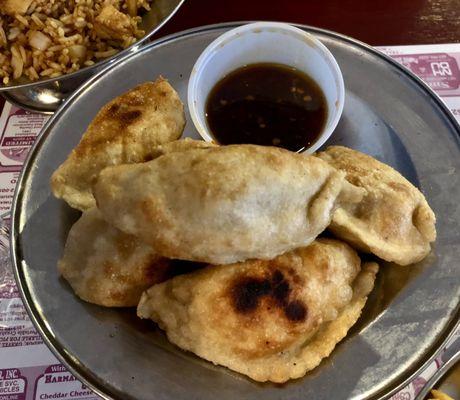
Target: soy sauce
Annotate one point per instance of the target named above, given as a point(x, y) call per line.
point(267, 104)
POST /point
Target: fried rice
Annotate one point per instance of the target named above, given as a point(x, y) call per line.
point(49, 38)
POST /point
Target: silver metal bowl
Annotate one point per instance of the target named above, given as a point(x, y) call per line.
point(46, 95)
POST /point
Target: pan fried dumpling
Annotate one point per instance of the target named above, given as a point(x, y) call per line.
point(270, 320)
point(124, 131)
point(223, 204)
point(393, 220)
point(106, 266)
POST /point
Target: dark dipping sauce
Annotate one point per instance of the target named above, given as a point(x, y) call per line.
point(267, 104)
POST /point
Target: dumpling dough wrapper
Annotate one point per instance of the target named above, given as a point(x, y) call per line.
point(224, 204)
point(270, 320)
point(392, 221)
point(108, 267)
point(124, 131)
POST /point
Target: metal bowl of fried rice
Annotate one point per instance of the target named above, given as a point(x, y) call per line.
point(50, 47)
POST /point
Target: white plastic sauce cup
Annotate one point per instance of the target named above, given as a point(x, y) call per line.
point(266, 42)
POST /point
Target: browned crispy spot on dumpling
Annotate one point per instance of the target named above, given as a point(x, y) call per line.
point(249, 294)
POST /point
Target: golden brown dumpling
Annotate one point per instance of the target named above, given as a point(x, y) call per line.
point(223, 204)
point(271, 320)
point(124, 131)
point(106, 266)
point(392, 221)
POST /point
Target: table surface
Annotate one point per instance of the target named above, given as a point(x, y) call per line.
point(378, 23)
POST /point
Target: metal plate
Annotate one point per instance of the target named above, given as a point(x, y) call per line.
point(389, 114)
